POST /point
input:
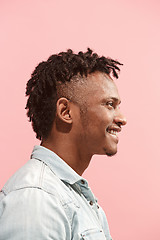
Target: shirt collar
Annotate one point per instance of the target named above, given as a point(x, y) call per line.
point(58, 166)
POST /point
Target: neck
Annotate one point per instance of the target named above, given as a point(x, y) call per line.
point(72, 153)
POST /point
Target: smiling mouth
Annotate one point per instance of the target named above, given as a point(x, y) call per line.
point(112, 132)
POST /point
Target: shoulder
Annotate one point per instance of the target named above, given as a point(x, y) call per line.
point(35, 196)
point(33, 175)
point(26, 176)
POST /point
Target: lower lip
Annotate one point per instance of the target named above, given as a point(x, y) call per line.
point(114, 137)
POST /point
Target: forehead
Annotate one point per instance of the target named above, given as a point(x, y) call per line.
point(99, 86)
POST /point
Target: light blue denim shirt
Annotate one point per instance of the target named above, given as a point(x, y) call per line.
point(46, 199)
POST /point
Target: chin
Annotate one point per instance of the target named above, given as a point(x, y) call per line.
point(110, 153)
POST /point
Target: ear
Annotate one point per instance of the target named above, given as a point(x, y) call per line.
point(64, 110)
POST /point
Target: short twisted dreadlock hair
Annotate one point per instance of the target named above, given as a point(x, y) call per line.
point(41, 89)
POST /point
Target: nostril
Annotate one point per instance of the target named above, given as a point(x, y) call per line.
point(120, 121)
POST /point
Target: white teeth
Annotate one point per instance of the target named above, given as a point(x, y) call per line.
point(112, 132)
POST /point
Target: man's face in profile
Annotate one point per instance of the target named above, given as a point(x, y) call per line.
point(100, 117)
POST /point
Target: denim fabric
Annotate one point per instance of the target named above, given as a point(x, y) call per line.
point(46, 199)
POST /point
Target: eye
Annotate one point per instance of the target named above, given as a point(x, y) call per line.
point(110, 104)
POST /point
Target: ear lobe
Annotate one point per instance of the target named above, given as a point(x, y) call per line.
point(63, 110)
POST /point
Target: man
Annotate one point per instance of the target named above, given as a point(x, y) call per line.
point(73, 104)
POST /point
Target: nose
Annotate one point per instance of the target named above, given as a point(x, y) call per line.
point(120, 119)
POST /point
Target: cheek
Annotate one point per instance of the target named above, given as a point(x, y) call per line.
point(102, 118)
point(98, 123)
point(96, 119)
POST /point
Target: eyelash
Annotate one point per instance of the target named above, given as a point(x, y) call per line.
point(110, 104)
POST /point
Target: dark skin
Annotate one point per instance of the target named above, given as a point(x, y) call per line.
point(88, 124)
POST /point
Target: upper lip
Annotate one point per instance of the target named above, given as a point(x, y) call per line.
point(114, 128)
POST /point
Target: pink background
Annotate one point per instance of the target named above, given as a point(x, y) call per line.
point(127, 185)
